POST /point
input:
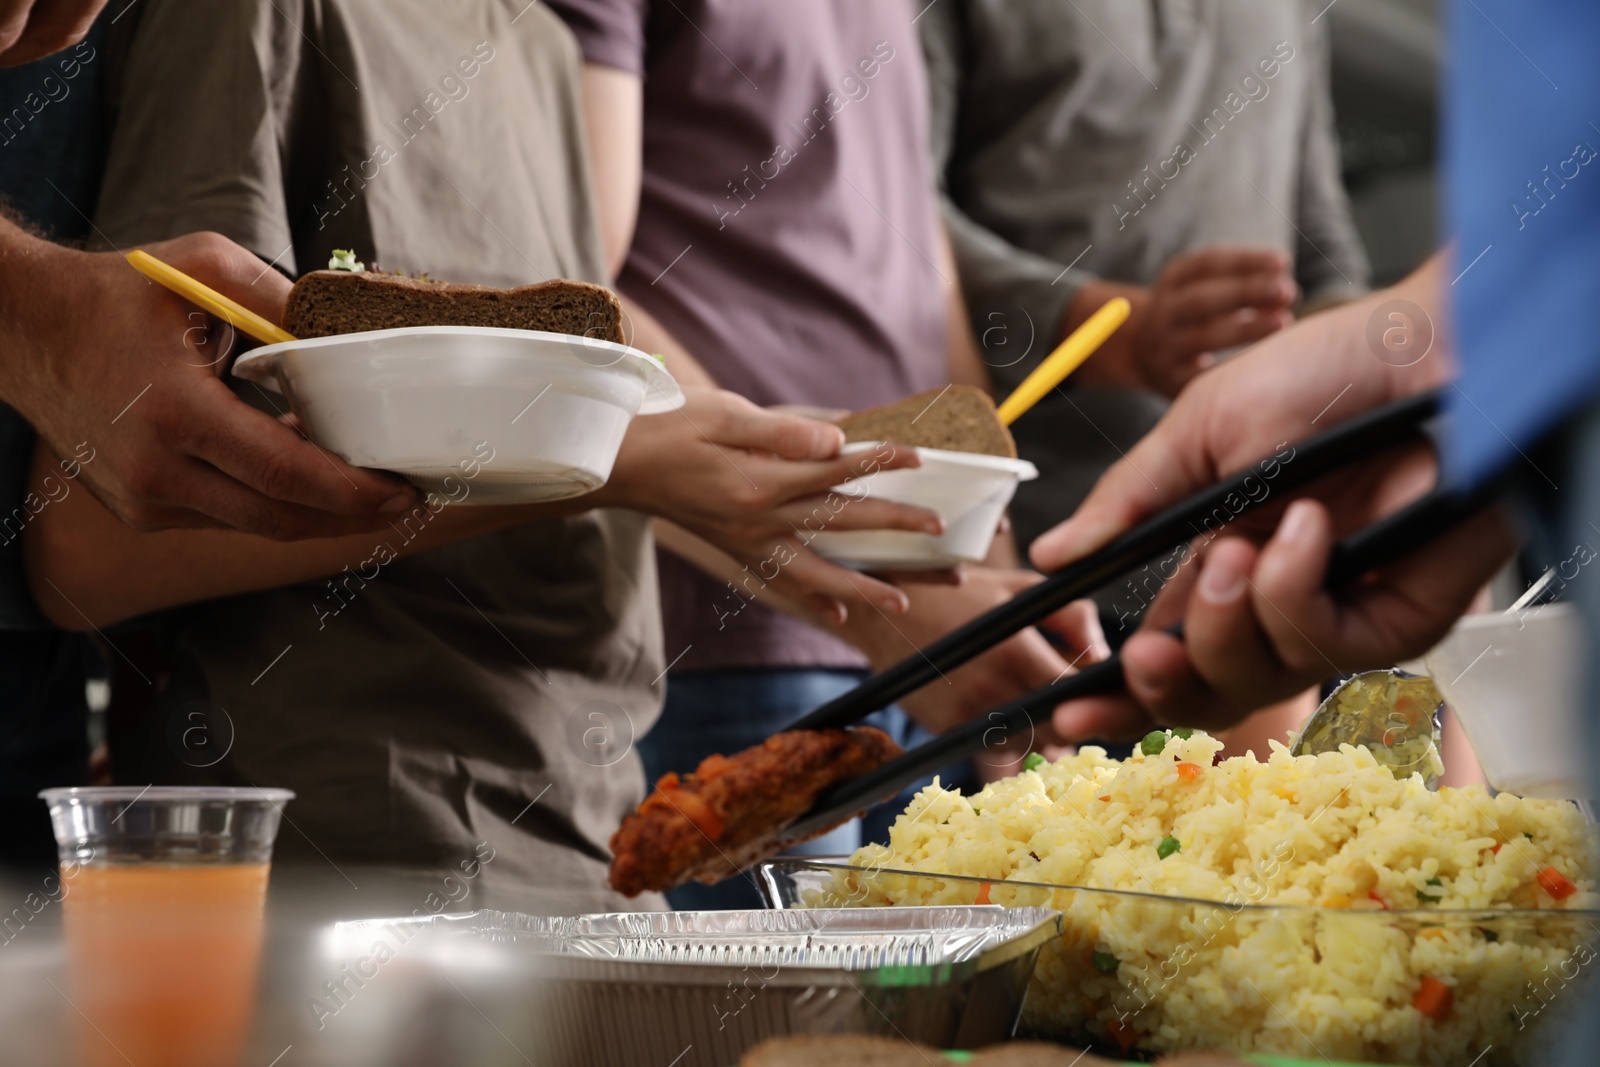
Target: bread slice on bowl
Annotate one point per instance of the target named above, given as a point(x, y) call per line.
point(329, 302)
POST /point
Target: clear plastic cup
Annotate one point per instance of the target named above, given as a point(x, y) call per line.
point(165, 897)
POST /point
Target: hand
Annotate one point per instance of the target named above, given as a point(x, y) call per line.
point(1202, 303)
point(1008, 671)
point(108, 365)
point(756, 484)
point(1258, 625)
point(33, 29)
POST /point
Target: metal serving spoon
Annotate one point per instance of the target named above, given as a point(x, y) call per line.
point(1392, 714)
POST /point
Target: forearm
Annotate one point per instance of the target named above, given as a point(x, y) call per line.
point(26, 262)
point(613, 109)
point(966, 365)
point(86, 568)
point(648, 335)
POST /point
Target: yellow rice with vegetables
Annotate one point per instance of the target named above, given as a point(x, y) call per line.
point(1379, 964)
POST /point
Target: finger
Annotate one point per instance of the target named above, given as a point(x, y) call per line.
point(837, 512)
point(1230, 651)
point(954, 575)
point(1078, 626)
point(1151, 475)
point(815, 576)
point(279, 463)
point(736, 422)
point(1205, 298)
point(1107, 718)
point(231, 269)
point(13, 21)
point(1162, 680)
point(783, 480)
point(1230, 331)
point(1177, 575)
point(830, 609)
point(1223, 259)
point(218, 500)
point(52, 27)
point(1394, 615)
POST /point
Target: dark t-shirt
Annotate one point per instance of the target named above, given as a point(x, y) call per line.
point(52, 151)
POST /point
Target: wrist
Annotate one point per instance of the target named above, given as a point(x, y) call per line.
point(39, 283)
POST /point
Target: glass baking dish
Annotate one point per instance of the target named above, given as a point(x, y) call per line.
point(1135, 975)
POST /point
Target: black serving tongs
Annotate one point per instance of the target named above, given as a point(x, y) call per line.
point(1381, 543)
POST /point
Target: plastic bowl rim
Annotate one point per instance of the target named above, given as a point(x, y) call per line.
point(1021, 468)
point(259, 365)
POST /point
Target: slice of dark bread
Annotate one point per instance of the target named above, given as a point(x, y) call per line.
point(960, 418)
point(840, 1050)
point(327, 302)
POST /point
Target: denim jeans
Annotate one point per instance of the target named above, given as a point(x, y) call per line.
point(725, 711)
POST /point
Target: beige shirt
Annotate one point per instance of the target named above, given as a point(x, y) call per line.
point(478, 698)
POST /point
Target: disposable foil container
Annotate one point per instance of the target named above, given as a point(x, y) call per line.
point(694, 989)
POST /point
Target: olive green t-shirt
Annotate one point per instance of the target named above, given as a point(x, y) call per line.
point(477, 698)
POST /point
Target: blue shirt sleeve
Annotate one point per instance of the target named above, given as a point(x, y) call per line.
point(1522, 151)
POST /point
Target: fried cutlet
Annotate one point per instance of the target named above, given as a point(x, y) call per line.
point(726, 814)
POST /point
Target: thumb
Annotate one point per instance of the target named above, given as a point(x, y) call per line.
point(1119, 500)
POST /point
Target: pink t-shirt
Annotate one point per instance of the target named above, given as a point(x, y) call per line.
point(787, 233)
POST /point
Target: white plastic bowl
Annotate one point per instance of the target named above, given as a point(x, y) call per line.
point(510, 415)
point(970, 492)
point(1515, 682)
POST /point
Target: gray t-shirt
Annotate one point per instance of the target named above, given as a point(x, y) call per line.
point(1084, 138)
point(460, 700)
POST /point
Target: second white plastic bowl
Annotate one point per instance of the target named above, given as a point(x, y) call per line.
point(1514, 680)
point(969, 490)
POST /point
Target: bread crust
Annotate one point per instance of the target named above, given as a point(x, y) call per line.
point(961, 418)
point(329, 302)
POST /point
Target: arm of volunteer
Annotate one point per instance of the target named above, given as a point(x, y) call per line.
point(966, 366)
point(611, 36)
point(1317, 372)
point(613, 119)
point(102, 361)
point(87, 569)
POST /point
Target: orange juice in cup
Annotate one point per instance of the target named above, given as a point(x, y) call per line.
point(164, 917)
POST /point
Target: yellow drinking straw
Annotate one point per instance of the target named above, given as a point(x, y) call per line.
point(202, 295)
point(1068, 357)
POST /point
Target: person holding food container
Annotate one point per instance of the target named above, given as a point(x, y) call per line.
point(1191, 169)
point(768, 205)
point(437, 686)
point(105, 368)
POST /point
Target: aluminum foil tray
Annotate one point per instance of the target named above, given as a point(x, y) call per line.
point(696, 989)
